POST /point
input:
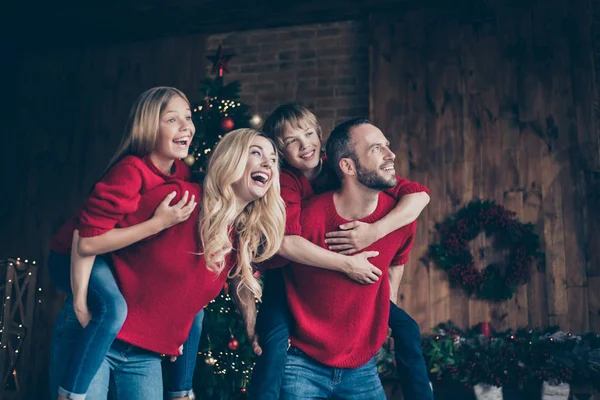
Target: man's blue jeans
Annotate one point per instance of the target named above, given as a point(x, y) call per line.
point(306, 379)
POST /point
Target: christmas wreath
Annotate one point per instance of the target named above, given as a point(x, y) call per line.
point(495, 281)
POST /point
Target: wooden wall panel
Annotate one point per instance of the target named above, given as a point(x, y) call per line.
point(70, 111)
point(506, 94)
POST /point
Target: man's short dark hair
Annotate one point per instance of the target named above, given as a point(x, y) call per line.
point(339, 144)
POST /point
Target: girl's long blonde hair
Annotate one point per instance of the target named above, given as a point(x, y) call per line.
point(258, 229)
point(141, 131)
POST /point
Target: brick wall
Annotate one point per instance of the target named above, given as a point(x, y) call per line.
point(323, 66)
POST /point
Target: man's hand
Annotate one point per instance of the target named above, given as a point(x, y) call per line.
point(168, 215)
point(352, 237)
point(361, 270)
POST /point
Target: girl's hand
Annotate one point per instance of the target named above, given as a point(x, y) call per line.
point(168, 215)
point(352, 237)
point(255, 346)
point(174, 358)
point(82, 312)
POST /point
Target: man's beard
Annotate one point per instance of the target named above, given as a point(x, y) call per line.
point(372, 179)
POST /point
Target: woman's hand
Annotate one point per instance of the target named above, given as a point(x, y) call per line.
point(361, 270)
point(352, 237)
point(168, 215)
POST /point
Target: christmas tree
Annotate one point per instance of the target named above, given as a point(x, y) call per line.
point(219, 112)
point(225, 358)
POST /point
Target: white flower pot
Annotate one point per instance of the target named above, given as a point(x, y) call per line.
point(555, 392)
point(487, 392)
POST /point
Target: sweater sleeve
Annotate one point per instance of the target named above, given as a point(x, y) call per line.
point(115, 196)
point(401, 256)
point(405, 187)
point(291, 192)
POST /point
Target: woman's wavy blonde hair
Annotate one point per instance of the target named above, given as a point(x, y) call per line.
point(143, 124)
point(258, 229)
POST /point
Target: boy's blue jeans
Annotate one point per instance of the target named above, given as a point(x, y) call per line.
point(78, 353)
point(273, 328)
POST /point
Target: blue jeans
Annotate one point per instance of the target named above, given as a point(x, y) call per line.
point(305, 378)
point(131, 372)
point(79, 353)
point(412, 371)
point(180, 373)
point(273, 329)
point(72, 371)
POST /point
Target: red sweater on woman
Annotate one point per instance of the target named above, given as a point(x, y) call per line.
point(114, 196)
point(164, 279)
point(339, 322)
point(164, 282)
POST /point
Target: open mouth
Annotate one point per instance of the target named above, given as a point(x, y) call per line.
point(183, 142)
point(308, 156)
point(260, 178)
point(388, 168)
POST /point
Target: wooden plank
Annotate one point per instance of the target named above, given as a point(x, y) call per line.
point(579, 315)
point(594, 302)
point(562, 320)
point(439, 289)
point(518, 305)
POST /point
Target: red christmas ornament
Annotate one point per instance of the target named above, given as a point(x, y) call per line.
point(243, 390)
point(485, 329)
point(233, 343)
point(220, 61)
point(227, 124)
point(226, 287)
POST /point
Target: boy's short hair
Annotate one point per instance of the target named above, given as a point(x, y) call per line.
point(293, 114)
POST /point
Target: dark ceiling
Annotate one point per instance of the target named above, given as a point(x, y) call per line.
point(63, 22)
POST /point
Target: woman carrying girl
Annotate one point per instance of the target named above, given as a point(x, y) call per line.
point(163, 279)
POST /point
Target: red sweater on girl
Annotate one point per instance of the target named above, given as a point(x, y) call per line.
point(339, 322)
point(114, 196)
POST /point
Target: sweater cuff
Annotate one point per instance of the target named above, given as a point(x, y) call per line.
point(293, 229)
point(416, 188)
point(91, 232)
point(400, 260)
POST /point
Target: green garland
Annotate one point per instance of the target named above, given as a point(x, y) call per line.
point(454, 256)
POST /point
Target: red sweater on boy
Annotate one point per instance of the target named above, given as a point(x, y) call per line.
point(339, 322)
point(114, 196)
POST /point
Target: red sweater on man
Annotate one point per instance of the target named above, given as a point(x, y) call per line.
point(164, 281)
point(296, 190)
point(339, 322)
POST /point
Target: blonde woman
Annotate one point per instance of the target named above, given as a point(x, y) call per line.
point(169, 278)
point(157, 135)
